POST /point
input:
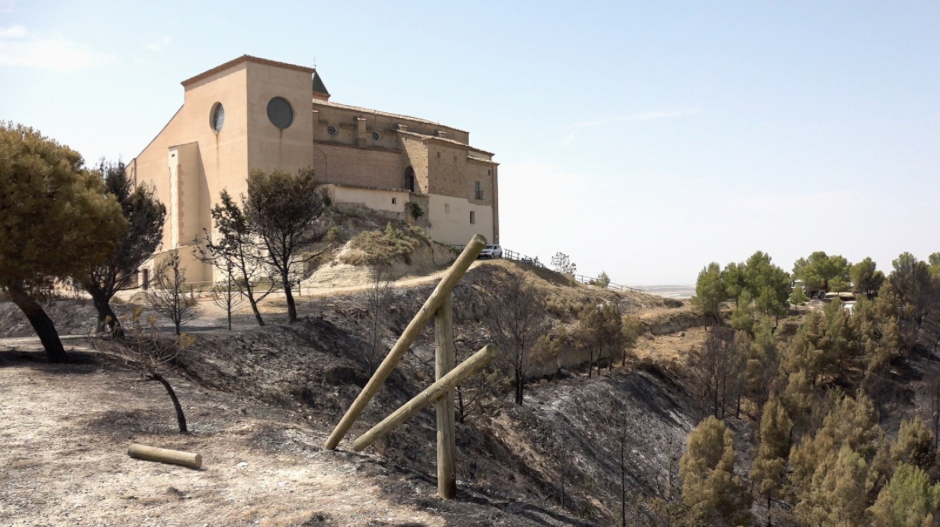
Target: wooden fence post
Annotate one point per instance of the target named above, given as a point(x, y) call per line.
point(444, 361)
point(465, 369)
point(407, 338)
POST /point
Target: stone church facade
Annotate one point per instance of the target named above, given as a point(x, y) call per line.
point(253, 113)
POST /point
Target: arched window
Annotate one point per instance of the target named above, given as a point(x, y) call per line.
point(410, 179)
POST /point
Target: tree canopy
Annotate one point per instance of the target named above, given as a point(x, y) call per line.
point(56, 221)
point(145, 216)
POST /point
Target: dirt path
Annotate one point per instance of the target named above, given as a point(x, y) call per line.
point(64, 460)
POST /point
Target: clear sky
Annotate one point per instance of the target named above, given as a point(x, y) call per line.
point(645, 139)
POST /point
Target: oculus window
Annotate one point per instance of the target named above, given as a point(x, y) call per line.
point(280, 113)
point(331, 130)
point(376, 136)
point(217, 117)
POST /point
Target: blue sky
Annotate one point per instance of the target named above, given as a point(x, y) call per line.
point(643, 139)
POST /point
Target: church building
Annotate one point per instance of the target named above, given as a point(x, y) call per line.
point(252, 113)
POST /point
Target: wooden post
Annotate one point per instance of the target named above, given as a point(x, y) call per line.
point(407, 338)
point(434, 392)
point(164, 455)
point(444, 361)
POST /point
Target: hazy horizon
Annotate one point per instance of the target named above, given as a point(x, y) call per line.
point(642, 140)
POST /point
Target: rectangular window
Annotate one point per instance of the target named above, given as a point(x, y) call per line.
point(393, 201)
point(478, 189)
point(473, 217)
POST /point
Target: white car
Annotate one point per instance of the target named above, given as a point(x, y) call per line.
point(492, 250)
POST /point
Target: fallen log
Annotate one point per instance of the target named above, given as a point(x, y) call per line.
point(165, 455)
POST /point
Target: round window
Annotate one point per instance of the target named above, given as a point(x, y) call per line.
point(217, 117)
point(331, 130)
point(376, 136)
point(280, 113)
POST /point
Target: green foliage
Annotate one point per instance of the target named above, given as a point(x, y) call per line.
point(830, 470)
point(866, 278)
point(145, 216)
point(917, 293)
point(821, 271)
point(602, 280)
point(915, 445)
point(836, 496)
point(415, 210)
point(383, 247)
point(734, 279)
point(934, 261)
point(710, 490)
point(283, 210)
point(709, 291)
point(57, 220)
point(798, 296)
point(770, 466)
point(333, 234)
point(742, 317)
point(909, 500)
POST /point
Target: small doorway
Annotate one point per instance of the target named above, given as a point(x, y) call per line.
point(145, 283)
point(410, 179)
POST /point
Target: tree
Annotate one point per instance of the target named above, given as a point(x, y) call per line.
point(915, 446)
point(718, 368)
point(283, 210)
point(917, 295)
point(516, 319)
point(934, 261)
point(236, 251)
point(866, 278)
point(150, 356)
point(56, 221)
point(563, 264)
point(602, 280)
point(168, 295)
point(769, 470)
point(798, 296)
point(632, 329)
point(829, 470)
point(600, 330)
point(821, 271)
point(228, 296)
point(714, 495)
point(908, 500)
point(734, 279)
point(145, 216)
point(710, 292)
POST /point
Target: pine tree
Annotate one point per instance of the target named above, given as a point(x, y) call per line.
point(769, 469)
point(915, 445)
point(711, 491)
point(909, 500)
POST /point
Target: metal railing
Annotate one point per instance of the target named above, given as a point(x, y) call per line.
point(509, 254)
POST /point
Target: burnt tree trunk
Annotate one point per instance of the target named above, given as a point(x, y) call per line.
point(41, 323)
point(518, 387)
point(291, 308)
point(106, 316)
point(180, 417)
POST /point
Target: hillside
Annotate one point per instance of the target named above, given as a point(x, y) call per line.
point(272, 394)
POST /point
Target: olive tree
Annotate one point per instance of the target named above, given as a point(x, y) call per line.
point(56, 221)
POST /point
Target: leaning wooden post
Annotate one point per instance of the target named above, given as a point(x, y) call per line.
point(407, 338)
point(465, 369)
point(444, 361)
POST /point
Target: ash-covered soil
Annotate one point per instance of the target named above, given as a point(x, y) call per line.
point(270, 396)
